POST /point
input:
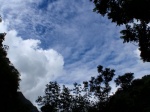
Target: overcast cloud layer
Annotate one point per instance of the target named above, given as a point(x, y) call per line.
point(63, 40)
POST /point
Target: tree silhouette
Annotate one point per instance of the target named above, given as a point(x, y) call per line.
point(9, 81)
point(100, 85)
point(132, 99)
point(57, 99)
point(51, 100)
point(66, 99)
point(80, 99)
point(134, 14)
point(132, 96)
point(125, 80)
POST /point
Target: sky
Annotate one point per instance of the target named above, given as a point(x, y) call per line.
point(63, 41)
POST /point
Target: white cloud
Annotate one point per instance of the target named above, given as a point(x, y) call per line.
point(137, 53)
point(36, 66)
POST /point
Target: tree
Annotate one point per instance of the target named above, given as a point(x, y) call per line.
point(132, 96)
point(132, 99)
point(134, 14)
point(51, 101)
point(9, 81)
point(100, 85)
point(125, 80)
point(66, 99)
point(57, 99)
point(80, 99)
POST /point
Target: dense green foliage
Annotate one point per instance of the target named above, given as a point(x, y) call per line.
point(134, 14)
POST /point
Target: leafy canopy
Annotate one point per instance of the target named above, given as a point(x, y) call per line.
point(135, 15)
point(94, 95)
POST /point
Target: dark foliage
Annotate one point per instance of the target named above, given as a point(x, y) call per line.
point(134, 99)
point(9, 74)
point(124, 81)
point(50, 101)
point(79, 98)
point(10, 99)
point(93, 95)
point(9, 81)
point(63, 99)
point(135, 15)
point(56, 99)
point(21, 104)
point(100, 85)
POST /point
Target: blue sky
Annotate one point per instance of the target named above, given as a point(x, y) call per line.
point(63, 40)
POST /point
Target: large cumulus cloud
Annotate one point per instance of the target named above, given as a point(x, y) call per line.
point(36, 66)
